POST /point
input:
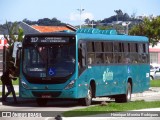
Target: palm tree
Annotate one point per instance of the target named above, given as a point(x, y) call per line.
point(15, 34)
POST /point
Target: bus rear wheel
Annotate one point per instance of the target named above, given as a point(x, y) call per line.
point(41, 102)
point(126, 97)
point(88, 99)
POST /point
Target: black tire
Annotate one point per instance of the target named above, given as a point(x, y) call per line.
point(41, 102)
point(88, 99)
point(126, 97)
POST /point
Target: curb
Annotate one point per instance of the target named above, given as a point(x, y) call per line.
point(149, 92)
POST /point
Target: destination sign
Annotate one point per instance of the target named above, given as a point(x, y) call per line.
point(49, 39)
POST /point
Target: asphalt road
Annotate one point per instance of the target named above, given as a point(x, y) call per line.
point(55, 107)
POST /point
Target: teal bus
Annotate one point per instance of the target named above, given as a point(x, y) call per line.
point(83, 65)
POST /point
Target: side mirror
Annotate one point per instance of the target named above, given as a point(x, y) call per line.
point(16, 48)
point(17, 45)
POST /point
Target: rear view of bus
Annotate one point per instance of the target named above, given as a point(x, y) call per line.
point(48, 65)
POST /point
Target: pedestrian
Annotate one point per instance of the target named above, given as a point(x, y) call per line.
point(6, 79)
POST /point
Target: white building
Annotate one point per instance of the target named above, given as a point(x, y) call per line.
point(155, 54)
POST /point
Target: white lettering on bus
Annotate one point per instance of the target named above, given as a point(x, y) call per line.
point(34, 39)
point(107, 75)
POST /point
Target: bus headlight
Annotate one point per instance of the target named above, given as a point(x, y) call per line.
point(70, 85)
point(25, 85)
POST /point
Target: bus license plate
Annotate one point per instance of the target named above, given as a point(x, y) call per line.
point(46, 96)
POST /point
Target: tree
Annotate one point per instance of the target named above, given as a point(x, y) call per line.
point(104, 27)
point(45, 22)
point(119, 13)
point(149, 28)
point(87, 21)
point(15, 33)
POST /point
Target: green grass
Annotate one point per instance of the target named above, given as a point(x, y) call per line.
point(16, 82)
point(10, 94)
point(155, 83)
point(112, 107)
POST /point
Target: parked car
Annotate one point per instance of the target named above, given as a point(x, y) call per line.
point(154, 72)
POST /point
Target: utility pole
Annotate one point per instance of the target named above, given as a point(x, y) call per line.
point(80, 12)
point(92, 23)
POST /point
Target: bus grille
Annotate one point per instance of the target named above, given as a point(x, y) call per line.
point(40, 94)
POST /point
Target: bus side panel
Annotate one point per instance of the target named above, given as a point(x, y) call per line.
point(96, 74)
point(112, 80)
point(140, 77)
point(109, 80)
point(119, 79)
point(82, 84)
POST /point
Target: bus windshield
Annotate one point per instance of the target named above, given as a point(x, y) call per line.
point(49, 61)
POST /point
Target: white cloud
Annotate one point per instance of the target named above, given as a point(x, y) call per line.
point(87, 15)
point(76, 16)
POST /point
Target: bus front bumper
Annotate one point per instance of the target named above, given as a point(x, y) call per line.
point(70, 93)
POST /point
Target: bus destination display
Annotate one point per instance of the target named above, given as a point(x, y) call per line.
point(49, 39)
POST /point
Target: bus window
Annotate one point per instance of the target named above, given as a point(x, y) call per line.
point(99, 54)
point(144, 55)
point(108, 49)
point(91, 58)
point(134, 52)
point(98, 47)
point(109, 58)
point(126, 54)
point(147, 52)
point(91, 53)
point(82, 55)
point(99, 58)
point(117, 46)
point(90, 47)
point(118, 52)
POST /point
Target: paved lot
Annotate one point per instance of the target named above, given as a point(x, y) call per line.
point(151, 94)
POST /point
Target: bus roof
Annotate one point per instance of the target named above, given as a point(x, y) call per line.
point(94, 34)
point(110, 35)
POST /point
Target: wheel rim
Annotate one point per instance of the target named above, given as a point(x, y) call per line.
point(129, 92)
point(89, 96)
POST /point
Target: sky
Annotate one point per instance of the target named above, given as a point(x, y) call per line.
point(66, 10)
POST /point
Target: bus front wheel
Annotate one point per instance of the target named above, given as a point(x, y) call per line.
point(41, 101)
point(126, 97)
point(88, 99)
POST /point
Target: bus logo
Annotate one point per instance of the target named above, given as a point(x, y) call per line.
point(107, 75)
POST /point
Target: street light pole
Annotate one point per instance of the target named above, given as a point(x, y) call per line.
point(126, 25)
point(80, 11)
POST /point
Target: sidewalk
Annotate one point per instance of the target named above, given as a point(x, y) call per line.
point(153, 91)
point(150, 92)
